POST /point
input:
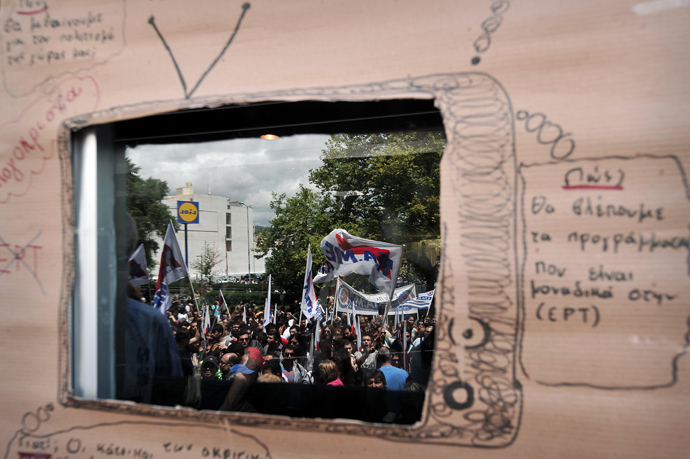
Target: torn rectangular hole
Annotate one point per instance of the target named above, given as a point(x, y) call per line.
point(371, 168)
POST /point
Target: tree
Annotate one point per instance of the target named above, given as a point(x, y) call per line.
point(382, 186)
point(204, 263)
point(299, 221)
point(144, 204)
point(389, 184)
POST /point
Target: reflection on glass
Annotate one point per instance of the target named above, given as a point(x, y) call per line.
point(261, 206)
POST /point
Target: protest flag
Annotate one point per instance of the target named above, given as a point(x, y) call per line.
point(138, 272)
point(423, 301)
point(172, 268)
point(268, 314)
point(359, 335)
point(206, 326)
point(222, 302)
point(325, 273)
point(317, 335)
point(310, 303)
point(267, 306)
point(349, 254)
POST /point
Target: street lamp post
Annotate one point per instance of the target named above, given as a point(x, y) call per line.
point(249, 258)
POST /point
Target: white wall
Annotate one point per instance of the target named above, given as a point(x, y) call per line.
point(211, 229)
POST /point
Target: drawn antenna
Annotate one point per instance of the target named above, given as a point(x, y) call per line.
point(187, 95)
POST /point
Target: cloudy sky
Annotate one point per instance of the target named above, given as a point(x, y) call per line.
point(245, 170)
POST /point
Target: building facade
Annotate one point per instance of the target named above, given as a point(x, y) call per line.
point(226, 225)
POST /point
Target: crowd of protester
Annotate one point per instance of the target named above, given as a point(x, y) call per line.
point(239, 349)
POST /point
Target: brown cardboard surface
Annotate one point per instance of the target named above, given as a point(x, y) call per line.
point(550, 108)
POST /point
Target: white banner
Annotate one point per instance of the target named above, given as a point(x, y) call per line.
point(423, 301)
point(347, 299)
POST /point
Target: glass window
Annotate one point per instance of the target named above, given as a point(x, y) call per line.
point(291, 173)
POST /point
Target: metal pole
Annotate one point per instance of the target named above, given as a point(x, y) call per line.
point(249, 259)
point(253, 226)
point(186, 250)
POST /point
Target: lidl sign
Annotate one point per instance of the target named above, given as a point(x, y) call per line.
point(187, 212)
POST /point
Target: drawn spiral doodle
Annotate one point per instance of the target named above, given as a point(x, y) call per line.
point(548, 133)
point(31, 421)
point(489, 26)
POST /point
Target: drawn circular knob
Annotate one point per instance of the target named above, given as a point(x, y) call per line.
point(452, 389)
point(476, 334)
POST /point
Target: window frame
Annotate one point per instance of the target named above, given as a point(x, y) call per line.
point(443, 420)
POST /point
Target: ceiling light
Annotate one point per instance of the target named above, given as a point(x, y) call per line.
point(269, 136)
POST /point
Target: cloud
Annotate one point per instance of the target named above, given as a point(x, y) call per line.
point(246, 170)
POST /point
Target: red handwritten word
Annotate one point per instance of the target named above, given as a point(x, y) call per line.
point(592, 187)
point(18, 253)
point(29, 13)
point(34, 134)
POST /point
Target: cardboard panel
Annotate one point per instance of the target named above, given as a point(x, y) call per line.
point(563, 293)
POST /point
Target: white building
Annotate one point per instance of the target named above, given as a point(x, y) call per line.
point(226, 225)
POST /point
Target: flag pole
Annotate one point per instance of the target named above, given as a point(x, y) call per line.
point(404, 344)
point(391, 293)
point(224, 303)
point(186, 262)
point(169, 274)
point(312, 346)
point(196, 305)
point(359, 334)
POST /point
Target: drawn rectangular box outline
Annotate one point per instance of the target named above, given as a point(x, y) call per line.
point(523, 260)
point(463, 98)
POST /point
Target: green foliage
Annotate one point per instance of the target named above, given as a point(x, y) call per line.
point(389, 183)
point(257, 298)
point(144, 204)
point(383, 186)
point(301, 220)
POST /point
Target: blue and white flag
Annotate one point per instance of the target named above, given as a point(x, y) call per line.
point(173, 268)
point(310, 303)
point(423, 301)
